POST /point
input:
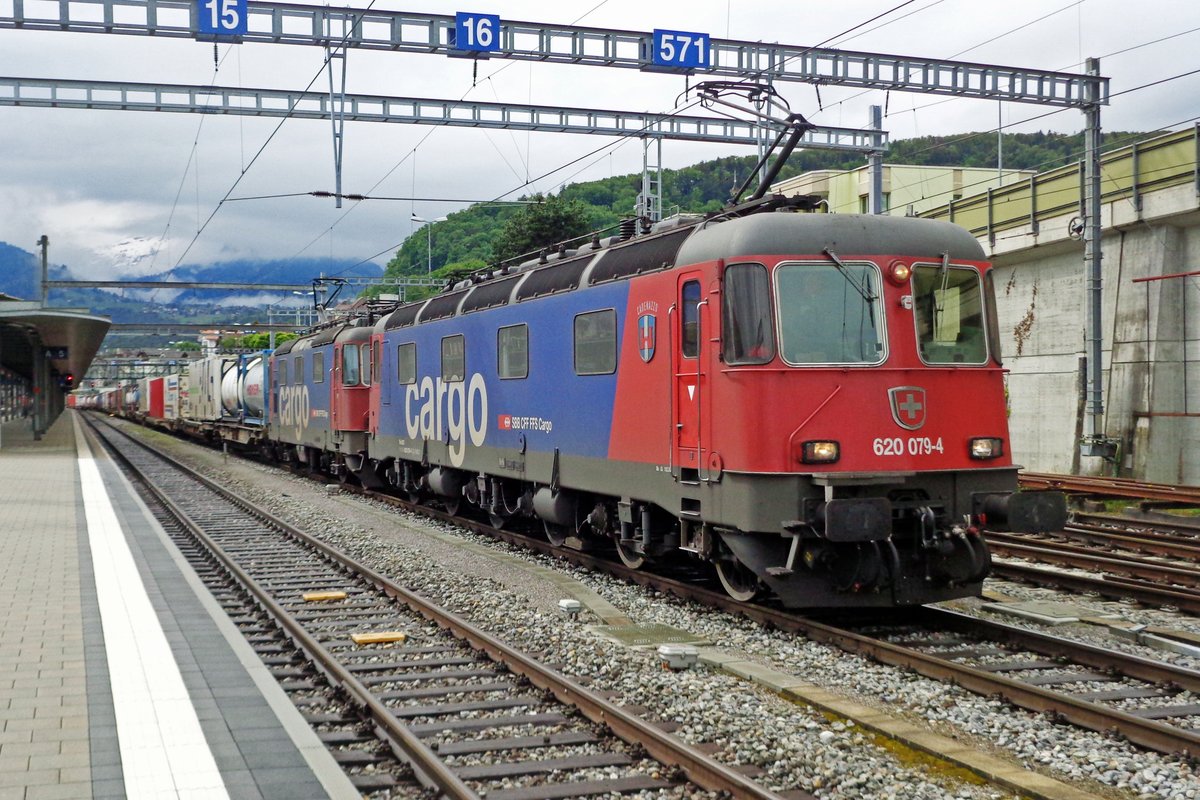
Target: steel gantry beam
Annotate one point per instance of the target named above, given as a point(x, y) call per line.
point(121, 96)
point(263, 287)
point(413, 32)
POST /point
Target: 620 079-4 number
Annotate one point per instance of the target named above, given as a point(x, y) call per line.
point(912, 446)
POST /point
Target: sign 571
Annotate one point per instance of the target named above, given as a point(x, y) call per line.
point(681, 49)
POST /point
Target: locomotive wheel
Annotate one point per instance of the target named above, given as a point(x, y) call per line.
point(739, 581)
point(630, 557)
point(556, 534)
point(497, 520)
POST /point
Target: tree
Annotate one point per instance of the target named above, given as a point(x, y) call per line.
point(547, 223)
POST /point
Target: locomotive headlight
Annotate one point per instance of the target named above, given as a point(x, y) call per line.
point(820, 452)
point(983, 448)
point(898, 273)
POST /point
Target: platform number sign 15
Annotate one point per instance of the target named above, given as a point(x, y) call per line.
point(478, 32)
point(222, 17)
point(681, 49)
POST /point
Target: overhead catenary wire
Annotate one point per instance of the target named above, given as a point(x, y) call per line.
point(263, 147)
point(412, 153)
point(187, 168)
point(358, 198)
point(1054, 162)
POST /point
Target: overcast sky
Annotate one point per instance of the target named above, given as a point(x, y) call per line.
point(94, 181)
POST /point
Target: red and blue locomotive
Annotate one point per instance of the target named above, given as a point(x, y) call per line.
point(812, 403)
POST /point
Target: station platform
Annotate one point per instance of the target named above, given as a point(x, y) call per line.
point(120, 675)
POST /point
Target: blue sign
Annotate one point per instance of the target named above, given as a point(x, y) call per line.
point(478, 32)
point(681, 49)
point(222, 17)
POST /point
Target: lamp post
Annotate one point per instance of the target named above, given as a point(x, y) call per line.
point(428, 223)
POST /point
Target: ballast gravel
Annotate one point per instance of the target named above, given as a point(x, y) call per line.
point(795, 746)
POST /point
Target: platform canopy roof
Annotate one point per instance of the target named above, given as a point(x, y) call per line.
point(70, 336)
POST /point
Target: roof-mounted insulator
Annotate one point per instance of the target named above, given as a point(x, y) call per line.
point(628, 228)
point(562, 250)
point(596, 240)
point(542, 256)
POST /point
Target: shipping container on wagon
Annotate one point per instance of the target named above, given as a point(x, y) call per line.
point(143, 396)
point(243, 388)
point(204, 387)
point(170, 397)
point(155, 397)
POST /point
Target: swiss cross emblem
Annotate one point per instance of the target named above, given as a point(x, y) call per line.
point(908, 406)
point(646, 337)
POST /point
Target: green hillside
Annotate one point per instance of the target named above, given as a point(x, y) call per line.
point(483, 234)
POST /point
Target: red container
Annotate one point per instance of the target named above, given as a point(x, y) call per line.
point(156, 398)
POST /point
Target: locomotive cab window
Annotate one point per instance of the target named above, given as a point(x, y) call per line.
point(454, 358)
point(596, 343)
point(318, 372)
point(747, 333)
point(948, 308)
point(350, 371)
point(829, 313)
point(406, 363)
point(512, 351)
point(689, 318)
point(367, 367)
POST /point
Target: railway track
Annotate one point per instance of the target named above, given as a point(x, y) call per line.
point(1112, 487)
point(1151, 561)
point(404, 693)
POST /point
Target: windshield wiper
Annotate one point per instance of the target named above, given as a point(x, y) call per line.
point(944, 280)
point(862, 290)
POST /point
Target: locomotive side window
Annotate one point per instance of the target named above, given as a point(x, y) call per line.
point(406, 363)
point(747, 335)
point(376, 360)
point(350, 365)
point(454, 358)
point(993, 318)
point(298, 372)
point(512, 351)
point(367, 367)
point(829, 314)
point(596, 343)
point(948, 308)
point(690, 319)
point(318, 373)
point(281, 378)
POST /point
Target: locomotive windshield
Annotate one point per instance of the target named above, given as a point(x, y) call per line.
point(948, 307)
point(746, 315)
point(829, 314)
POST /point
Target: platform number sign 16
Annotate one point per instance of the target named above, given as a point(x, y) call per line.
point(681, 49)
point(479, 32)
point(222, 17)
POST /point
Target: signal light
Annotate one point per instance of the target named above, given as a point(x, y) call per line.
point(69, 381)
